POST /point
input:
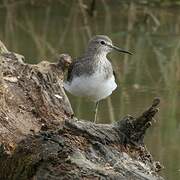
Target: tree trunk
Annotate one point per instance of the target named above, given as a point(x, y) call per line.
point(40, 139)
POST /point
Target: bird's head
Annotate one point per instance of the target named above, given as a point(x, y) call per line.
point(103, 44)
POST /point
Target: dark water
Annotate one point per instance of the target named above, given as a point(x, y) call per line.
point(153, 33)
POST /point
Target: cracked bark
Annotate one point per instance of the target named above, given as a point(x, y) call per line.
point(40, 138)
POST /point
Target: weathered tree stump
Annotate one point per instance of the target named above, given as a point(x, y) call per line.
point(40, 139)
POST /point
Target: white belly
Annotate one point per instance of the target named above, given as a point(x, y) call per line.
point(95, 87)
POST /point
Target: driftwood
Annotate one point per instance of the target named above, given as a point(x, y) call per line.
point(40, 138)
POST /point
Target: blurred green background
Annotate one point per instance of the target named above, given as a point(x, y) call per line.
point(150, 29)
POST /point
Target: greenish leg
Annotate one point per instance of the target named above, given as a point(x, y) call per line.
point(96, 112)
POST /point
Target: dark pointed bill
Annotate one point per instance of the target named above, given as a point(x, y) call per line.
point(120, 50)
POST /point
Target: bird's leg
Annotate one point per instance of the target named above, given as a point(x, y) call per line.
point(96, 112)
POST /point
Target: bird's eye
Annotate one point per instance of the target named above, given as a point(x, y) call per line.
point(102, 42)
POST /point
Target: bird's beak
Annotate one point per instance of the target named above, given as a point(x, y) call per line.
point(119, 49)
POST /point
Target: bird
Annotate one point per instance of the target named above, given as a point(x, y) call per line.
point(91, 75)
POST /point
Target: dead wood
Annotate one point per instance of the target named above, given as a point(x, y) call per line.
point(40, 138)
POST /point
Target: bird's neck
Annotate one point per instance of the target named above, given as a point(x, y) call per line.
point(96, 56)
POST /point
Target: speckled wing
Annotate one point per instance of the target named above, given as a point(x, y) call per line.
point(70, 69)
point(74, 69)
point(79, 67)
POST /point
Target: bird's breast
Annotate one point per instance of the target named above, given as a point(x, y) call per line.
point(94, 87)
point(104, 68)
